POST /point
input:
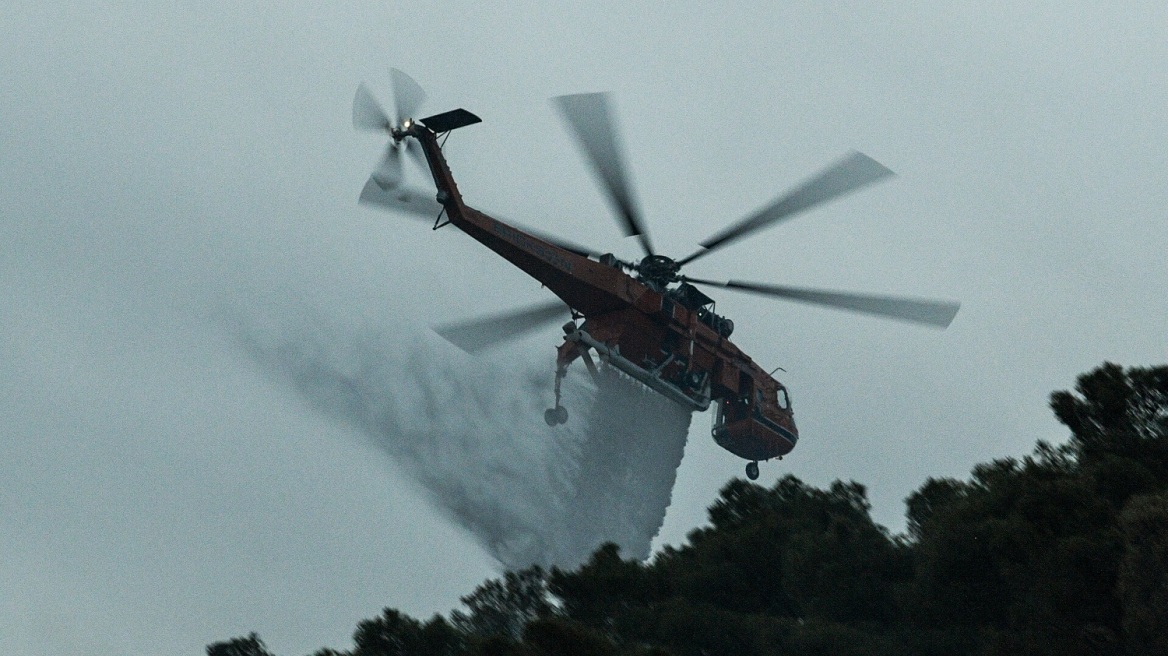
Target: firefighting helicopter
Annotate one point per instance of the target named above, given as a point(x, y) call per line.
point(645, 318)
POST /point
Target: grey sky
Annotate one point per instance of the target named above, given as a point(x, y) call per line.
point(160, 163)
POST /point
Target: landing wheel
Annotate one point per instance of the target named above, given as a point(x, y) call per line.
point(752, 471)
point(555, 416)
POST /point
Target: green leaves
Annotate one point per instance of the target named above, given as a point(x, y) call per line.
point(249, 646)
point(503, 608)
point(1143, 575)
point(1117, 411)
point(394, 633)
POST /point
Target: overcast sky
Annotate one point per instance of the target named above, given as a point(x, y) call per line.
point(164, 163)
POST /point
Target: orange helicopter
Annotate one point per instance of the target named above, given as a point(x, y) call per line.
point(644, 318)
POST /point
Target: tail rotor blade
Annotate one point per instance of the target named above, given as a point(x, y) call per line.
point(849, 174)
point(390, 173)
point(416, 203)
point(367, 112)
point(591, 121)
point(407, 95)
point(478, 334)
point(933, 313)
point(414, 148)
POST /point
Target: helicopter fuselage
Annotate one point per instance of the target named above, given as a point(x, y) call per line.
point(661, 337)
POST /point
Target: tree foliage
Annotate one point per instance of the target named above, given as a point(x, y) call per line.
point(503, 608)
point(249, 646)
point(396, 634)
point(1143, 574)
point(1063, 551)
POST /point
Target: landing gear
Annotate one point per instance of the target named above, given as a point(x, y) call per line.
point(555, 416)
point(559, 414)
point(751, 469)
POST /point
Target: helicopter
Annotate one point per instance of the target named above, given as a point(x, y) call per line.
point(644, 318)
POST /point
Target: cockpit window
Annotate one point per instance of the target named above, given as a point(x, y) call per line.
point(784, 400)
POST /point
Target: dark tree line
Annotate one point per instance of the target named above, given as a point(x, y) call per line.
point(1064, 551)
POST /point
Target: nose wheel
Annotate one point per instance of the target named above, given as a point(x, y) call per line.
point(751, 469)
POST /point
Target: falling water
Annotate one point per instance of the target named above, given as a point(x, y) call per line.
point(470, 431)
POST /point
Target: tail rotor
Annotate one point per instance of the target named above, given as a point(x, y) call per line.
point(370, 116)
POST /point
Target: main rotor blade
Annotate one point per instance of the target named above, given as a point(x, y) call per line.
point(570, 246)
point(367, 112)
point(591, 121)
point(407, 95)
point(402, 199)
point(478, 334)
point(849, 174)
point(933, 313)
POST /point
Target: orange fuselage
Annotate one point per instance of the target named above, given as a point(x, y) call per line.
point(648, 328)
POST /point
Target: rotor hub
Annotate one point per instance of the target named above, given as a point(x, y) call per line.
point(658, 270)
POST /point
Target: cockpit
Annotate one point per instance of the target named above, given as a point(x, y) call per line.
point(756, 423)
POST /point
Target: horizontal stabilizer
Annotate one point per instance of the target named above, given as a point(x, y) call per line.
point(452, 120)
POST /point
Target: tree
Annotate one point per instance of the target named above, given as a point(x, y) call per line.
point(557, 636)
point(931, 498)
point(790, 551)
point(1028, 553)
point(503, 608)
point(1118, 412)
point(394, 633)
point(1143, 575)
point(249, 646)
point(1061, 551)
point(604, 588)
point(843, 567)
